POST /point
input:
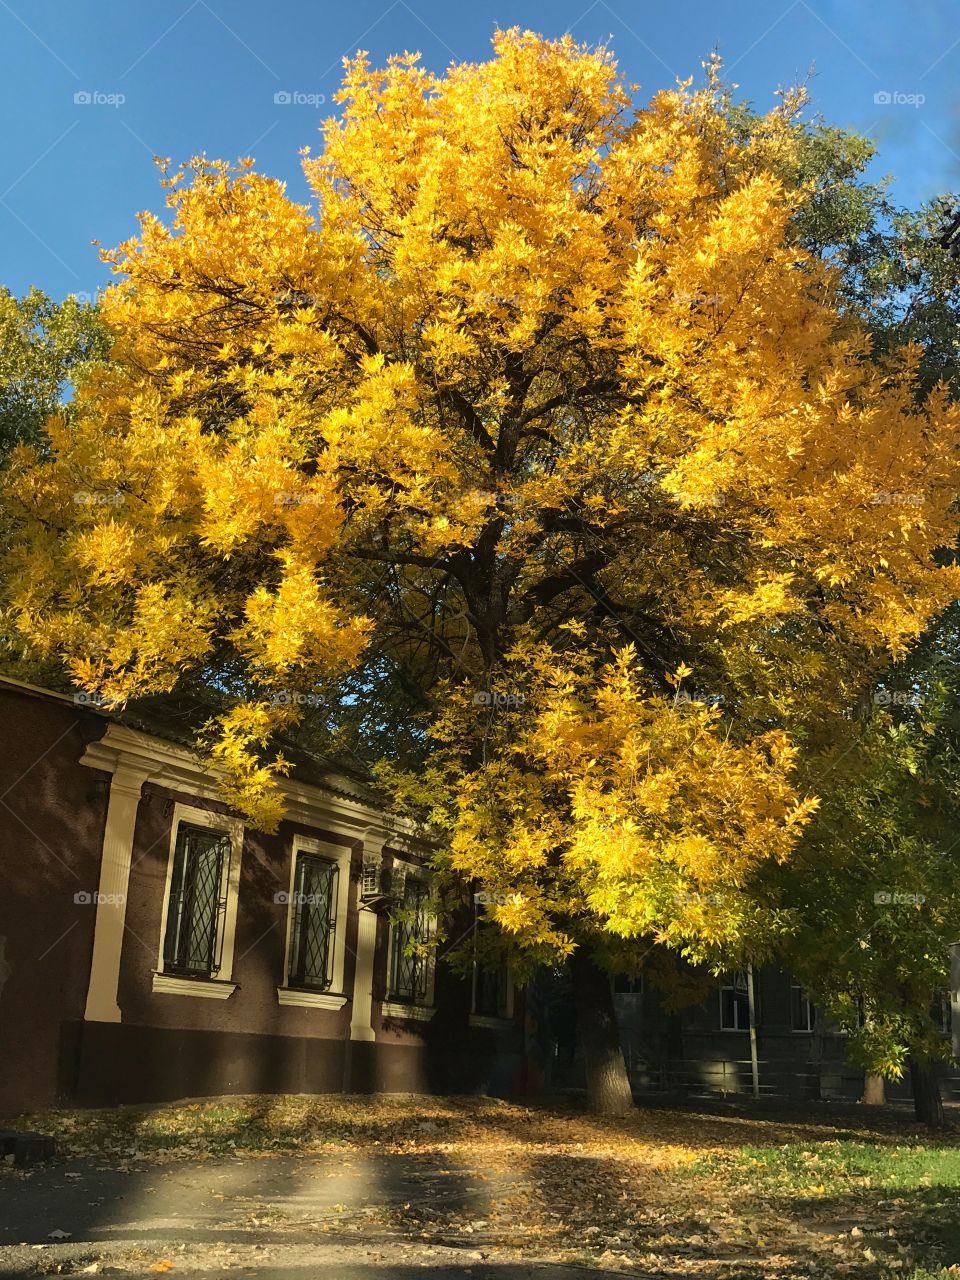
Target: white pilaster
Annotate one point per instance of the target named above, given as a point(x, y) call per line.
point(361, 1022)
point(111, 904)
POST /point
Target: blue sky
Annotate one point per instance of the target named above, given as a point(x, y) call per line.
point(93, 89)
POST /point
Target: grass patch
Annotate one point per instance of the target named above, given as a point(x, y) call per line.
point(834, 1168)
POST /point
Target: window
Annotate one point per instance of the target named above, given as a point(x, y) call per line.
point(313, 906)
point(624, 986)
point(801, 1010)
point(734, 1002)
point(941, 1015)
point(491, 992)
point(196, 908)
point(317, 905)
point(199, 923)
point(410, 967)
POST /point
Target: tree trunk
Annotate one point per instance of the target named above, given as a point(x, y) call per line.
point(874, 1091)
point(608, 1086)
point(927, 1103)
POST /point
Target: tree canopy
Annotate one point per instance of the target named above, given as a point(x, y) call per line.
point(554, 433)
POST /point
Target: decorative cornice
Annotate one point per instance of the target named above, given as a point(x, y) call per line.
point(181, 770)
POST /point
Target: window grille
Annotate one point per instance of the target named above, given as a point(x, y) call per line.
point(193, 942)
point(314, 921)
point(411, 929)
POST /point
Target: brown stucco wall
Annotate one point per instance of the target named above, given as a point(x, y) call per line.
point(167, 1046)
point(52, 814)
point(260, 936)
point(171, 1046)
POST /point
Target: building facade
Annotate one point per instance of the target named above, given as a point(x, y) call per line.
point(706, 1048)
point(152, 947)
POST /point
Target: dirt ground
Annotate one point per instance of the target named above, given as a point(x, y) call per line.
point(344, 1187)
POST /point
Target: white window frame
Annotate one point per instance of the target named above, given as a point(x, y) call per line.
point(221, 987)
point(398, 1008)
point(727, 983)
point(335, 998)
point(808, 1029)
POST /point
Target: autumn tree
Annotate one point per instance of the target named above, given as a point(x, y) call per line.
point(543, 438)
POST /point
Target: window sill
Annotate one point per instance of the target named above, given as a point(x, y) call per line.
point(207, 988)
point(488, 1020)
point(415, 1012)
point(310, 999)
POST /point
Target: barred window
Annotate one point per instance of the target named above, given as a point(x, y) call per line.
point(409, 968)
point(313, 907)
point(193, 941)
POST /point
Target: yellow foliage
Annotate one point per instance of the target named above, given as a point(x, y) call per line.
point(539, 372)
point(603, 800)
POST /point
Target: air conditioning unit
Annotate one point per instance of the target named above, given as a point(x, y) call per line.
point(371, 877)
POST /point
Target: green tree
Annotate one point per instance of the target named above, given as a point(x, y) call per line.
point(873, 889)
point(46, 347)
